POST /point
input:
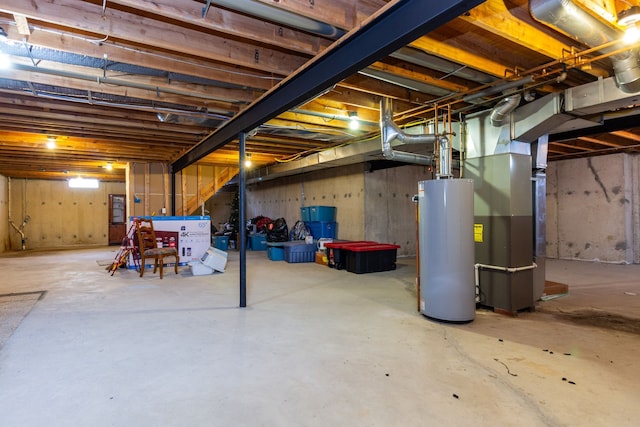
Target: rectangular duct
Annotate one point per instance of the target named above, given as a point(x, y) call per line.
point(597, 97)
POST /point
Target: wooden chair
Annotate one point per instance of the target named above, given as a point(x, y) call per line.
point(148, 246)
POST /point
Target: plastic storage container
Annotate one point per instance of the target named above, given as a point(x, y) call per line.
point(337, 252)
point(299, 252)
point(322, 229)
point(371, 258)
point(221, 242)
point(213, 259)
point(275, 251)
point(304, 214)
point(322, 213)
point(258, 242)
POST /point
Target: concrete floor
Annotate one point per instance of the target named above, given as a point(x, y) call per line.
point(315, 347)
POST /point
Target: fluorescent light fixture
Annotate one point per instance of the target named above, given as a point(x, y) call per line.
point(83, 183)
point(354, 123)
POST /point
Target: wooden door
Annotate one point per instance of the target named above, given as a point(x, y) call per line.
point(117, 218)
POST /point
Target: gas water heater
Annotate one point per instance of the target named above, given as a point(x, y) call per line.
point(445, 223)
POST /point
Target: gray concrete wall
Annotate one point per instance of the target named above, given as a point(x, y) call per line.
point(592, 209)
point(4, 214)
point(390, 211)
point(369, 205)
point(61, 216)
point(342, 187)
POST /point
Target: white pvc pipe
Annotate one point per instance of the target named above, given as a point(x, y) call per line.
point(478, 266)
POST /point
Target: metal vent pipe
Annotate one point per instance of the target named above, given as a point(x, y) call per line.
point(389, 132)
point(569, 18)
point(504, 108)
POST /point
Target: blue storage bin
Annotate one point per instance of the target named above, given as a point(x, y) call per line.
point(322, 213)
point(275, 253)
point(323, 229)
point(299, 252)
point(258, 242)
point(221, 242)
point(304, 214)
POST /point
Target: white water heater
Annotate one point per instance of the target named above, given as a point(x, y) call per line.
point(445, 221)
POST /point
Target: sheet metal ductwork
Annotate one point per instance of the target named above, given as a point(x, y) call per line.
point(503, 108)
point(389, 132)
point(569, 18)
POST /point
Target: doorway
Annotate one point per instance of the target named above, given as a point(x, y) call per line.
point(117, 218)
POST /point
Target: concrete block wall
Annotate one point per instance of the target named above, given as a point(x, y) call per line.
point(592, 209)
point(60, 216)
point(4, 214)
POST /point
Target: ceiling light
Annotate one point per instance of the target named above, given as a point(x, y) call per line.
point(247, 162)
point(354, 123)
point(83, 183)
point(5, 61)
point(109, 166)
point(51, 142)
point(629, 16)
point(631, 35)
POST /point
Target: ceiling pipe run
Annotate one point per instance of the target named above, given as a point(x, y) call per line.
point(569, 18)
point(502, 87)
point(389, 132)
point(283, 17)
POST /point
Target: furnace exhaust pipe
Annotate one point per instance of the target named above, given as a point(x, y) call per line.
point(389, 132)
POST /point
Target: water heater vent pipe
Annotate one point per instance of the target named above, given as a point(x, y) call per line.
point(389, 132)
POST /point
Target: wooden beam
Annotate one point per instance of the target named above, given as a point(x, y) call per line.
point(227, 22)
point(435, 47)
point(494, 16)
point(145, 31)
point(126, 53)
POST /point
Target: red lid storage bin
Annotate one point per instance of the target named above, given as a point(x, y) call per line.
point(337, 252)
point(371, 258)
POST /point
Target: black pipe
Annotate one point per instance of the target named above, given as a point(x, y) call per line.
point(173, 191)
point(242, 233)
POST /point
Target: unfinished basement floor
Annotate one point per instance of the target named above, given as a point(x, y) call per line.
point(314, 347)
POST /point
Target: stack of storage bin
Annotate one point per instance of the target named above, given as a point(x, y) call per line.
point(321, 220)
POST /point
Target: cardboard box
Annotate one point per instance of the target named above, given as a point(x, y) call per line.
point(321, 258)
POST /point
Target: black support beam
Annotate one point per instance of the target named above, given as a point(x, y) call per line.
point(397, 24)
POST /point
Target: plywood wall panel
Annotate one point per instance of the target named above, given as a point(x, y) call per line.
point(4, 214)
point(60, 216)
